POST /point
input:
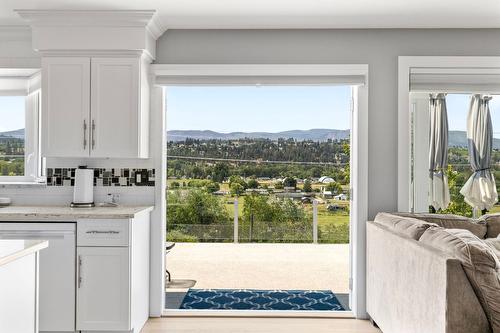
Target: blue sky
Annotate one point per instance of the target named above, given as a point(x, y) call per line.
point(11, 113)
point(458, 105)
point(255, 109)
point(271, 109)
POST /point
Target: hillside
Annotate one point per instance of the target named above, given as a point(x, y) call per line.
point(299, 135)
point(455, 139)
point(459, 139)
point(17, 134)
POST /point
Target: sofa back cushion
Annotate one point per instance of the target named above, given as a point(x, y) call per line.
point(402, 225)
point(479, 262)
point(492, 224)
point(450, 221)
point(494, 244)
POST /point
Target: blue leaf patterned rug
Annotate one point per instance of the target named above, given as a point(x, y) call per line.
point(248, 299)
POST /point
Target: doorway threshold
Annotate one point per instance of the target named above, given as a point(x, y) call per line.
point(257, 313)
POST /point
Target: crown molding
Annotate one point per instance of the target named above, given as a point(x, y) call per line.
point(15, 33)
point(91, 53)
point(103, 18)
point(98, 53)
point(94, 31)
point(155, 27)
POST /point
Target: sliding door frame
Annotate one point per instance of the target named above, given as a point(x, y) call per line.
point(218, 75)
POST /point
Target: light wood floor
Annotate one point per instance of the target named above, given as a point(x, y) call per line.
point(257, 325)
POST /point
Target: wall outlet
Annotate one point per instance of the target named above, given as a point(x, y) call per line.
point(113, 198)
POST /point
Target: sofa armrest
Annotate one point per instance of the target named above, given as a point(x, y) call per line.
point(414, 288)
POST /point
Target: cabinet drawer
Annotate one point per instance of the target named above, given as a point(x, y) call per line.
point(103, 232)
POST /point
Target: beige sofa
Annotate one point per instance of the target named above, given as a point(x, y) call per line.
point(416, 284)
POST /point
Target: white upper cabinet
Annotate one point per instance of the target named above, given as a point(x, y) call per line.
point(100, 99)
point(115, 120)
point(65, 106)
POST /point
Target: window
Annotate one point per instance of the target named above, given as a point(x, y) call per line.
point(12, 135)
point(459, 169)
point(19, 132)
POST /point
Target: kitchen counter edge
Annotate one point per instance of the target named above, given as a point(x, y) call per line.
point(67, 214)
point(34, 246)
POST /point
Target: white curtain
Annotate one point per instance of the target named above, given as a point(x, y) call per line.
point(439, 192)
point(480, 190)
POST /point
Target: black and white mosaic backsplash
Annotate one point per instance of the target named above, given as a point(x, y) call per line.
point(103, 177)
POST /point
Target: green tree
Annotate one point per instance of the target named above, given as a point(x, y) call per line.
point(457, 204)
point(195, 207)
point(307, 186)
point(212, 187)
point(278, 185)
point(290, 182)
point(220, 172)
point(234, 179)
point(236, 189)
point(252, 183)
point(334, 187)
point(277, 220)
point(175, 184)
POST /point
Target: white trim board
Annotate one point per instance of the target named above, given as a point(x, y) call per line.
point(359, 162)
point(257, 313)
point(429, 65)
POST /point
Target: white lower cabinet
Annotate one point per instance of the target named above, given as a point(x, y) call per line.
point(112, 278)
point(103, 288)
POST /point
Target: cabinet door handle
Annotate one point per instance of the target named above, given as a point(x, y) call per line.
point(79, 271)
point(102, 232)
point(93, 134)
point(84, 134)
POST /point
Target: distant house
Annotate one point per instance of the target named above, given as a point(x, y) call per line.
point(261, 191)
point(341, 197)
point(334, 208)
point(326, 180)
point(290, 195)
point(220, 192)
point(264, 179)
point(327, 194)
point(307, 200)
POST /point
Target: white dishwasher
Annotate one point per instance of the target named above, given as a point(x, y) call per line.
point(57, 270)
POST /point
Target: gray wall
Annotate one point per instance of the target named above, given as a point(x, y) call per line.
point(378, 48)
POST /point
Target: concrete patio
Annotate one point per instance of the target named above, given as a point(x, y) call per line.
point(261, 266)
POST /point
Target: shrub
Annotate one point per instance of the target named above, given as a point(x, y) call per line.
point(178, 236)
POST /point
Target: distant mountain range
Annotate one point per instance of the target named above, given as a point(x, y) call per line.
point(459, 139)
point(17, 134)
point(300, 135)
point(455, 138)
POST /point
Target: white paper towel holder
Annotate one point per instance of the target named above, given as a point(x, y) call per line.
point(82, 204)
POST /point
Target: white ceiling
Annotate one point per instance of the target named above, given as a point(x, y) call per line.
point(206, 14)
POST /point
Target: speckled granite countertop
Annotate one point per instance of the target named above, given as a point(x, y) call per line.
point(11, 250)
point(64, 213)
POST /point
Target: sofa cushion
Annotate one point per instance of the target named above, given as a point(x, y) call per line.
point(402, 225)
point(450, 221)
point(479, 262)
point(492, 224)
point(494, 244)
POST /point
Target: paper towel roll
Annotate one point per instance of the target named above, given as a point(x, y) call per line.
point(84, 186)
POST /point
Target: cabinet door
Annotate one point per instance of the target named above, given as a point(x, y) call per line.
point(103, 289)
point(115, 107)
point(65, 106)
point(18, 295)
